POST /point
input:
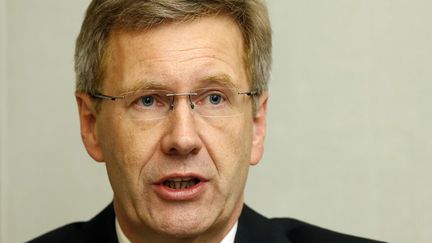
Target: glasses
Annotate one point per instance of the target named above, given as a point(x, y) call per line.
point(156, 104)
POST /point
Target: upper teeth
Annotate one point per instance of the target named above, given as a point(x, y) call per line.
point(180, 183)
point(180, 179)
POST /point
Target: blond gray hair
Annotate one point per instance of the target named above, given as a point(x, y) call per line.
point(103, 16)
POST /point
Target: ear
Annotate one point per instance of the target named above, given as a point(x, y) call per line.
point(259, 129)
point(88, 116)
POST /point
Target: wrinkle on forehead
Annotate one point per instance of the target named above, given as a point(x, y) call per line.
point(160, 54)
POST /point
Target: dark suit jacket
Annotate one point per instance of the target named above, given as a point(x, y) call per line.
point(252, 228)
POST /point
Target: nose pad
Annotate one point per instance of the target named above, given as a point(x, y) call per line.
point(192, 105)
point(172, 103)
point(172, 99)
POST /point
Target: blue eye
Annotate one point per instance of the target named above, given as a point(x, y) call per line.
point(215, 99)
point(147, 100)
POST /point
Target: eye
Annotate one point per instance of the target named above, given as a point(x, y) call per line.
point(215, 99)
point(147, 100)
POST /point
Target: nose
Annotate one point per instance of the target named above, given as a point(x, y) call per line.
point(181, 137)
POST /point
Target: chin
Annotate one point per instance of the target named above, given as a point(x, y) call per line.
point(183, 231)
point(184, 223)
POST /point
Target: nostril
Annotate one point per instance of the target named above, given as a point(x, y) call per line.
point(183, 150)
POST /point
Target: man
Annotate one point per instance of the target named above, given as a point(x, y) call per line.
point(172, 97)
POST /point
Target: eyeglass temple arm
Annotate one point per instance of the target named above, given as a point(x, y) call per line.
point(106, 97)
point(249, 93)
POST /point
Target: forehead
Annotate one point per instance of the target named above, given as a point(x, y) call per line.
point(176, 55)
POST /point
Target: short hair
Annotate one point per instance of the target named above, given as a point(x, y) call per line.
point(103, 16)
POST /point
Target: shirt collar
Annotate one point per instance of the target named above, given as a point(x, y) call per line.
point(229, 238)
point(120, 235)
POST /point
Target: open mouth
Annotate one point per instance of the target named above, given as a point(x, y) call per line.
point(181, 183)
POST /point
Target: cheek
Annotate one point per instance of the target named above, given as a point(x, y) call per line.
point(127, 148)
point(127, 141)
point(241, 146)
point(229, 145)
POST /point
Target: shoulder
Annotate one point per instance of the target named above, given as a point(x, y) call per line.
point(254, 227)
point(101, 228)
point(67, 233)
point(299, 231)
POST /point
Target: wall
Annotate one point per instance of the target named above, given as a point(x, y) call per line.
point(50, 180)
point(3, 109)
point(348, 143)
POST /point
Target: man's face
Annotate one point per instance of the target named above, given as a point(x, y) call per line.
point(146, 158)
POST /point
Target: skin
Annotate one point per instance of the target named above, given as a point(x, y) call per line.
point(180, 57)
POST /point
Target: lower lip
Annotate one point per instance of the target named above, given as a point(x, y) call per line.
point(187, 194)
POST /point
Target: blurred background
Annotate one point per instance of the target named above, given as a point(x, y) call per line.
point(349, 143)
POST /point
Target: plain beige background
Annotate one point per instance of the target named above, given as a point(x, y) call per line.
point(349, 129)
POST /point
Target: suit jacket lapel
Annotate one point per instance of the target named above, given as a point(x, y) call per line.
point(101, 228)
point(255, 228)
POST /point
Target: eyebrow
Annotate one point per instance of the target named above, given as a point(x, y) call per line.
point(143, 84)
point(222, 80)
point(219, 80)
